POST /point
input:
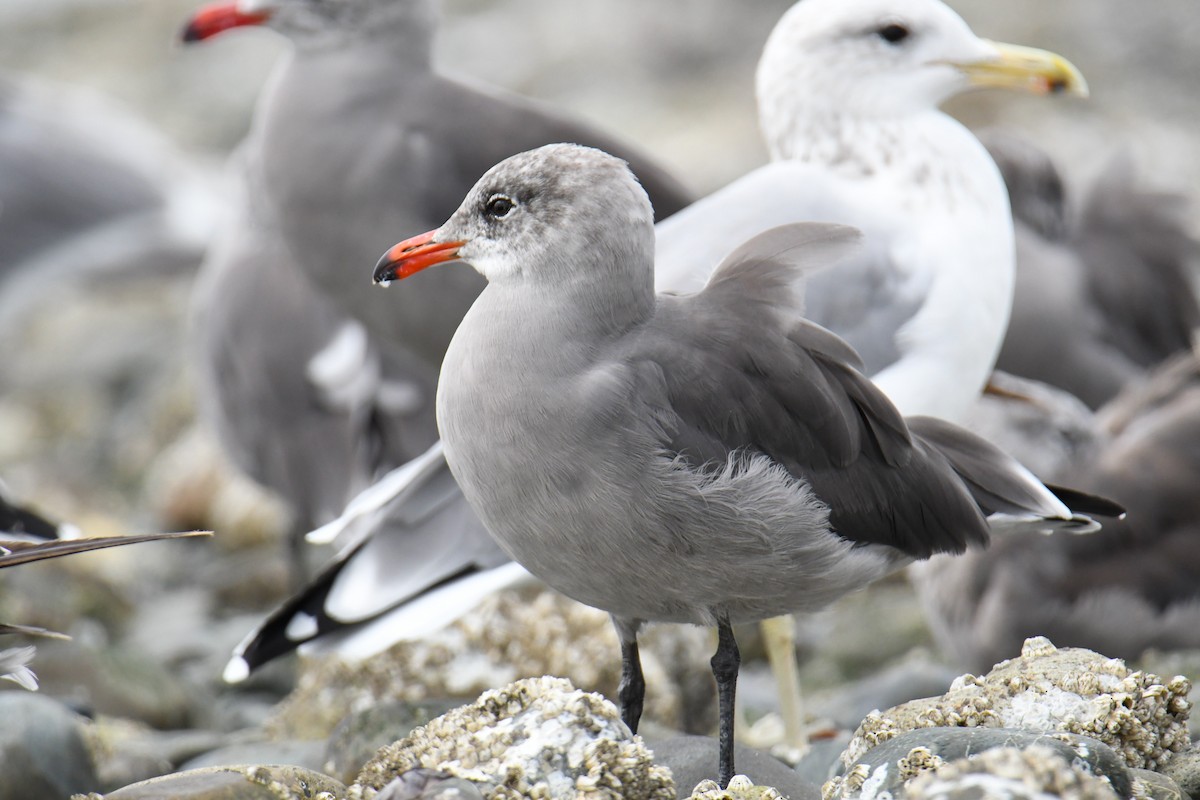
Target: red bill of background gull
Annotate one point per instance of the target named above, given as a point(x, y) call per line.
point(355, 111)
point(711, 458)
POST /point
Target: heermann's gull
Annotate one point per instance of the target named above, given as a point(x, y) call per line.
point(848, 94)
point(710, 458)
point(863, 66)
point(355, 111)
point(313, 436)
point(1133, 586)
point(1102, 299)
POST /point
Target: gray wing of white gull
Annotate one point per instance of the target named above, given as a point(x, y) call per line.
point(889, 290)
point(1099, 302)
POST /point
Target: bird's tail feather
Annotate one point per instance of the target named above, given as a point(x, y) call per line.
point(1008, 493)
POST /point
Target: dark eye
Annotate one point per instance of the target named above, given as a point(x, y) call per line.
point(498, 206)
point(893, 33)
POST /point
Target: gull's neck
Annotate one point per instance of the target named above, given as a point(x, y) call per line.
point(927, 148)
point(949, 212)
point(404, 39)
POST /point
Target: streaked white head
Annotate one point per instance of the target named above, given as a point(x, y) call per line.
point(885, 59)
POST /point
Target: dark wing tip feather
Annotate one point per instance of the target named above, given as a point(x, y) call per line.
point(1086, 503)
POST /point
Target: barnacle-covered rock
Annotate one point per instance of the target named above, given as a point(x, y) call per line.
point(271, 782)
point(511, 635)
point(740, 788)
point(1035, 772)
point(538, 738)
point(1141, 716)
point(886, 769)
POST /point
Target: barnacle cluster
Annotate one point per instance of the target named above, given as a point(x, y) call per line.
point(511, 635)
point(1010, 772)
point(1138, 714)
point(538, 738)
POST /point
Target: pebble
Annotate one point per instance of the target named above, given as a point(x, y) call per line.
point(233, 783)
point(42, 751)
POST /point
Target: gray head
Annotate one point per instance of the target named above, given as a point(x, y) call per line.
point(317, 23)
point(560, 214)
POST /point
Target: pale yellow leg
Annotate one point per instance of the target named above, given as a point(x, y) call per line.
point(779, 636)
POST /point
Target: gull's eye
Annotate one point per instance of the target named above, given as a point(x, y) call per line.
point(893, 33)
point(498, 206)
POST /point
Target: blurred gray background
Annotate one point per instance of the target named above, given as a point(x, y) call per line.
point(675, 77)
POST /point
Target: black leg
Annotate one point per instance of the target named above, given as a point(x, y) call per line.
point(725, 663)
point(632, 691)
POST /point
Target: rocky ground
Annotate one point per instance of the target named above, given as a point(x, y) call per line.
point(96, 426)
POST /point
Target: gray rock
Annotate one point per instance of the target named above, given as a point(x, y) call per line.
point(231, 783)
point(1140, 715)
point(906, 680)
point(889, 765)
point(42, 754)
point(693, 759)
point(1010, 773)
point(1184, 769)
point(429, 784)
point(822, 759)
point(1157, 785)
point(126, 752)
point(309, 755)
point(119, 682)
point(357, 738)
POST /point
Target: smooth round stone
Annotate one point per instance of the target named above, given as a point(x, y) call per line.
point(309, 755)
point(1184, 769)
point(429, 784)
point(42, 754)
point(234, 783)
point(360, 735)
point(693, 759)
point(954, 743)
point(1161, 787)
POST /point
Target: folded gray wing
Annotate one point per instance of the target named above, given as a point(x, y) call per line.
point(735, 369)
